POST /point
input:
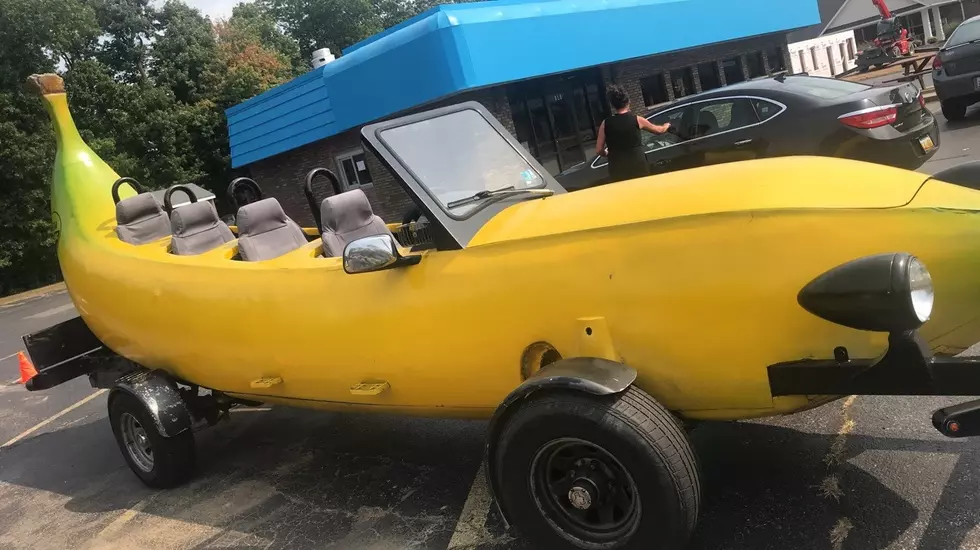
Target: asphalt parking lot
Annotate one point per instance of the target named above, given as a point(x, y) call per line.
point(862, 473)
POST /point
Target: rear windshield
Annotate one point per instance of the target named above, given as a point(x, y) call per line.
point(967, 32)
point(823, 88)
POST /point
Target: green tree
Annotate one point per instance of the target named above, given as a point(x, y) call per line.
point(36, 36)
point(128, 29)
point(333, 24)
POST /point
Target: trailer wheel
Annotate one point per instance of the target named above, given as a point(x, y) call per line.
point(160, 462)
point(585, 472)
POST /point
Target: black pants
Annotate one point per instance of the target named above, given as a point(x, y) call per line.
point(627, 165)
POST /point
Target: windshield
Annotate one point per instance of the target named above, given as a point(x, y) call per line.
point(457, 155)
point(967, 32)
point(823, 88)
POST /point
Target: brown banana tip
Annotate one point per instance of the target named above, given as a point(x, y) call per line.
point(46, 84)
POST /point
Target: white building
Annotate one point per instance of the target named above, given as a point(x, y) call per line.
point(827, 55)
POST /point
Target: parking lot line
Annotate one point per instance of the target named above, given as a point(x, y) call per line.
point(471, 527)
point(51, 419)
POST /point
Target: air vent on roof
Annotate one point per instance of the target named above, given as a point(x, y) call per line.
point(321, 57)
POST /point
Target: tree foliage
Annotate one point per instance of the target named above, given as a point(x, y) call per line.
point(148, 85)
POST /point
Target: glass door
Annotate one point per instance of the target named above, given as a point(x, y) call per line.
point(565, 124)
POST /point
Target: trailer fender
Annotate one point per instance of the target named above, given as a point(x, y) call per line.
point(588, 375)
point(160, 396)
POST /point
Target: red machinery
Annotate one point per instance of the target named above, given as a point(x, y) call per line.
point(891, 37)
point(891, 41)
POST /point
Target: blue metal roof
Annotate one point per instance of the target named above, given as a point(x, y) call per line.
point(458, 47)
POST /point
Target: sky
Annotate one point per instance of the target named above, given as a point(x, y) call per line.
point(214, 8)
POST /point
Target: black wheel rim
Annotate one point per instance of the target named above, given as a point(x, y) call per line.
point(584, 491)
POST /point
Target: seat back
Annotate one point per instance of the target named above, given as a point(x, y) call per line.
point(347, 217)
point(140, 219)
point(197, 229)
point(266, 232)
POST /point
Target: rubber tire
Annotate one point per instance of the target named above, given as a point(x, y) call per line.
point(953, 110)
point(174, 457)
point(647, 440)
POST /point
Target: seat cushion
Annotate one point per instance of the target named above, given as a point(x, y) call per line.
point(140, 219)
point(197, 229)
point(347, 217)
point(266, 232)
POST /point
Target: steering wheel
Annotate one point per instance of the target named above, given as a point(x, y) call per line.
point(168, 203)
point(308, 189)
point(132, 183)
point(249, 185)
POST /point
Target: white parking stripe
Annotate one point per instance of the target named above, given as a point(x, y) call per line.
point(52, 311)
point(14, 354)
point(52, 419)
point(471, 529)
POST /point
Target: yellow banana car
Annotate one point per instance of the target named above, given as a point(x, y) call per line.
point(589, 327)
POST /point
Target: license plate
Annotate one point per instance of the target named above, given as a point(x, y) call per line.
point(926, 143)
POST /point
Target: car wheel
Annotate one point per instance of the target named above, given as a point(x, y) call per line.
point(953, 110)
point(911, 49)
point(160, 462)
point(585, 472)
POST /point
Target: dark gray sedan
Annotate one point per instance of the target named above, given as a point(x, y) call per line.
point(956, 70)
point(784, 116)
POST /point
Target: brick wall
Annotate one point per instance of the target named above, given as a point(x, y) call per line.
point(284, 175)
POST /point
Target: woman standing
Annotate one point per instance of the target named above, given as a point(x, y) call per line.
point(620, 140)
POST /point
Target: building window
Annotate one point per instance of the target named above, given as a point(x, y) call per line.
point(850, 49)
point(802, 61)
point(756, 64)
point(654, 90)
point(710, 79)
point(353, 169)
point(776, 61)
point(813, 55)
point(683, 81)
point(830, 60)
point(843, 55)
point(733, 70)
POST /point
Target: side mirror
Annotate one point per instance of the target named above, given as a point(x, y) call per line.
point(375, 253)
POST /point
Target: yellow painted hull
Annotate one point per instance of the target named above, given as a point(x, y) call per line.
point(693, 274)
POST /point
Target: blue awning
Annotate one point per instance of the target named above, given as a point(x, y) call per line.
point(458, 47)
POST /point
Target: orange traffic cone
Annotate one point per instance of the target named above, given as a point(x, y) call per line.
point(27, 370)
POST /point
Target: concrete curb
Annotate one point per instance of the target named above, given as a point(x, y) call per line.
point(37, 292)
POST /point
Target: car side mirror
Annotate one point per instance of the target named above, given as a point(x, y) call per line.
point(375, 253)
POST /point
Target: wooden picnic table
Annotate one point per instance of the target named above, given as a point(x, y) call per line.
point(914, 68)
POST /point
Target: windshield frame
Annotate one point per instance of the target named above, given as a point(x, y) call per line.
point(451, 231)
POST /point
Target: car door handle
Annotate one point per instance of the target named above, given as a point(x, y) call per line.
point(742, 142)
point(663, 162)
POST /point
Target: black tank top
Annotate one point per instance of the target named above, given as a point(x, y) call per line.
point(623, 133)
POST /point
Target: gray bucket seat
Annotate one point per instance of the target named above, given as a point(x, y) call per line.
point(197, 229)
point(347, 217)
point(266, 232)
point(139, 219)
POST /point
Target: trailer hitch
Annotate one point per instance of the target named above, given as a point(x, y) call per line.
point(906, 368)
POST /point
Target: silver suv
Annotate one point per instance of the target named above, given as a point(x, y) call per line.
point(956, 70)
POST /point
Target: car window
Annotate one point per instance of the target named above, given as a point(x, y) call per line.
point(967, 32)
point(724, 115)
point(765, 109)
point(674, 135)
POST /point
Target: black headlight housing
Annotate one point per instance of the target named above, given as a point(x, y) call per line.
point(881, 293)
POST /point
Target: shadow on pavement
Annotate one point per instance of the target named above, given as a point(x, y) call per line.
point(295, 479)
point(290, 478)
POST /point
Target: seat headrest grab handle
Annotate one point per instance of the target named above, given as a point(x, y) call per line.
point(168, 201)
point(308, 189)
point(132, 183)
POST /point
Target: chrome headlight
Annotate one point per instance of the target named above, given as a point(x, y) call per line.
point(886, 292)
point(920, 290)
